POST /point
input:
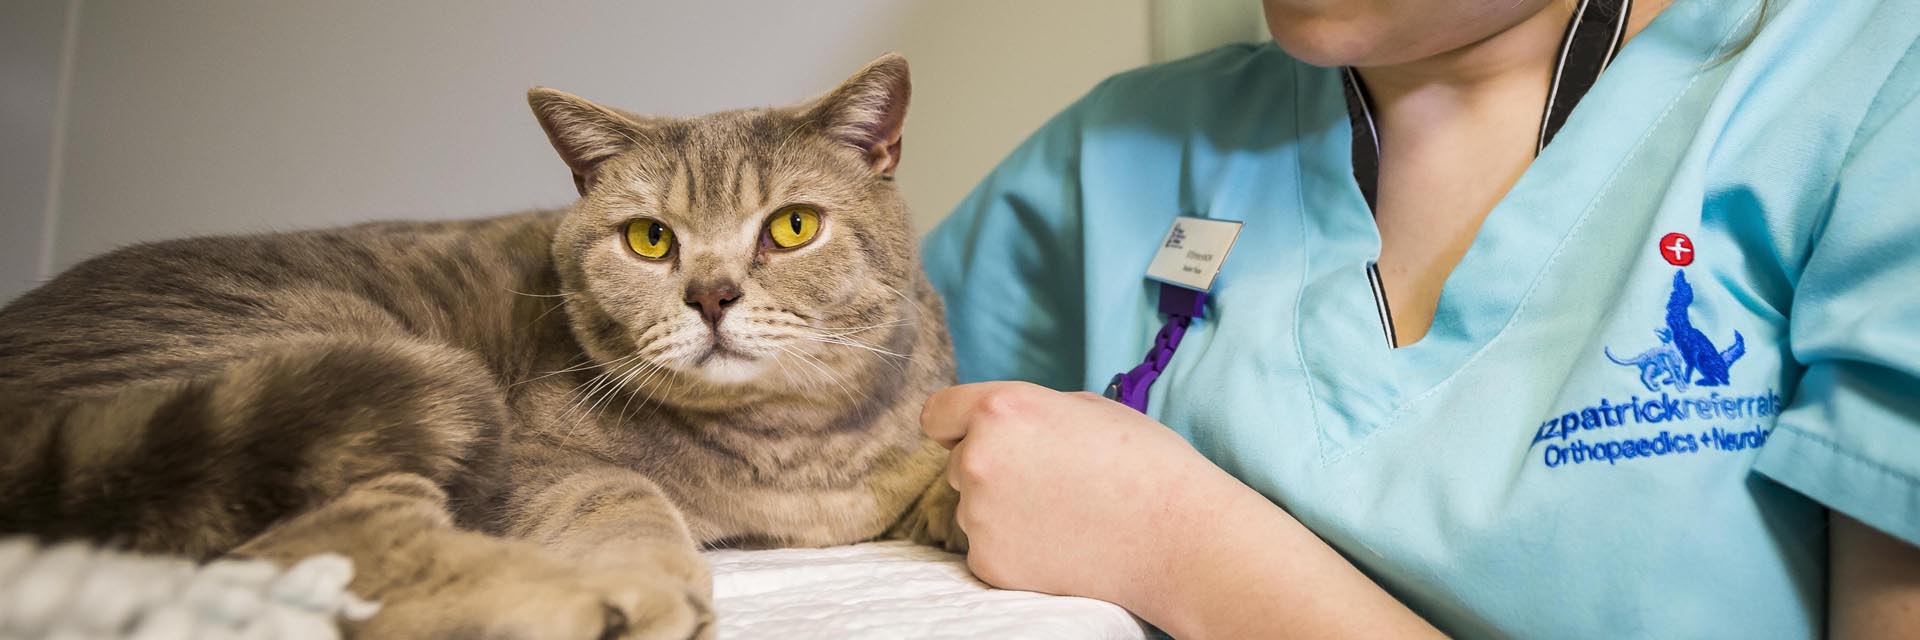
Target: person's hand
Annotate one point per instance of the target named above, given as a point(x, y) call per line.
point(1068, 493)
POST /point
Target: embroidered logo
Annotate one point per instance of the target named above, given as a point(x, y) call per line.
point(1684, 350)
point(1677, 248)
point(1614, 430)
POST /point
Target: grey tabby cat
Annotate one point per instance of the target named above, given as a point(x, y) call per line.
point(522, 427)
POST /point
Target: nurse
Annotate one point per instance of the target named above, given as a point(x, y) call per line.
point(1544, 318)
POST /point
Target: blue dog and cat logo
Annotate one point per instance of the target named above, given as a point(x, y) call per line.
point(1684, 350)
point(1685, 359)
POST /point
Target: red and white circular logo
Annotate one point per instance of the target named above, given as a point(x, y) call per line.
point(1677, 248)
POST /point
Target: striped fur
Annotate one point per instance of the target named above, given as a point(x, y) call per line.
point(516, 426)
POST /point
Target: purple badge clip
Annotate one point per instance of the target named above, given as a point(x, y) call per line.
point(1181, 305)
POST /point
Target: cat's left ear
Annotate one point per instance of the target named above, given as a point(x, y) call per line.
point(869, 111)
point(584, 133)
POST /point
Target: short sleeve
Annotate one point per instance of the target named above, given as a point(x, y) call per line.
point(1008, 263)
point(1850, 437)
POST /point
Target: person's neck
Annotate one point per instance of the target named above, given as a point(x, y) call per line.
point(1519, 57)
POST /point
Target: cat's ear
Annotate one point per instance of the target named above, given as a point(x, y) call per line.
point(584, 133)
point(869, 111)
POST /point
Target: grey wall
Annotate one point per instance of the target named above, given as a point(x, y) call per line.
point(204, 116)
point(32, 37)
point(219, 116)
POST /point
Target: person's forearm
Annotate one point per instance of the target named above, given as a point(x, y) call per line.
point(1249, 570)
point(1874, 582)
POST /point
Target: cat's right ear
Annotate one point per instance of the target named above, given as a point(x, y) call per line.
point(584, 133)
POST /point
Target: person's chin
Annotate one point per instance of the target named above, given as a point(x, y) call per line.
point(1325, 43)
point(1335, 38)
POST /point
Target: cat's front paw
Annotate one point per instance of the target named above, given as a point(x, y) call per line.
point(659, 608)
point(931, 520)
point(517, 592)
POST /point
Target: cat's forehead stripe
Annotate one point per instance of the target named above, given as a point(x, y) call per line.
point(712, 155)
point(693, 179)
point(679, 194)
point(762, 166)
point(747, 182)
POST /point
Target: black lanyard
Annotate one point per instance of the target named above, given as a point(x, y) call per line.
point(1592, 39)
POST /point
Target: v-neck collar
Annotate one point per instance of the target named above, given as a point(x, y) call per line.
point(1593, 35)
point(1519, 239)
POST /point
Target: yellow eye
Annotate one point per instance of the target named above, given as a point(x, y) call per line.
point(793, 226)
point(649, 238)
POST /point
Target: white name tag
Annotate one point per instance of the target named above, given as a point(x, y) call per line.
point(1191, 254)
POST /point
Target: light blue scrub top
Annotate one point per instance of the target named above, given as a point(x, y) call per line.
point(1508, 474)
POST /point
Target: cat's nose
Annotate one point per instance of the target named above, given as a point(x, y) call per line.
point(712, 299)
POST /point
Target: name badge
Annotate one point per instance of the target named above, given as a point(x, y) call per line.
point(1191, 254)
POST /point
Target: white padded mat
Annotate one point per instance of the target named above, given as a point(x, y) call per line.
point(890, 590)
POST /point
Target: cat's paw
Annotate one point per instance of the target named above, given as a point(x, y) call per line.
point(434, 581)
point(670, 609)
point(519, 592)
point(931, 520)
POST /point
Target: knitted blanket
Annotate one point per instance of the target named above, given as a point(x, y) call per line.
point(72, 591)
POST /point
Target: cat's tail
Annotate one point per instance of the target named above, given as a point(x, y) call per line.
point(197, 466)
point(1632, 362)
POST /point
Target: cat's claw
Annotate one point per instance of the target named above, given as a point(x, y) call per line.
point(656, 616)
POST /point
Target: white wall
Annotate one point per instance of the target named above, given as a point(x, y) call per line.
point(217, 116)
point(32, 34)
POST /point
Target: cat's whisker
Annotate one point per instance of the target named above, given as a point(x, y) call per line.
point(903, 296)
point(657, 370)
point(597, 378)
point(812, 383)
point(892, 359)
point(829, 374)
point(854, 344)
point(880, 325)
point(591, 404)
point(850, 331)
point(592, 385)
point(782, 147)
point(562, 294)
point(614, 391)
point(847, 337)
point(543, 314)
point(784, 371)
point(791, 352)
point(647, 336)
point(671, 387)
point(549, 374)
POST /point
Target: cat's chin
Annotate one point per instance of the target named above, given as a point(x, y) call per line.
point(730, 369)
